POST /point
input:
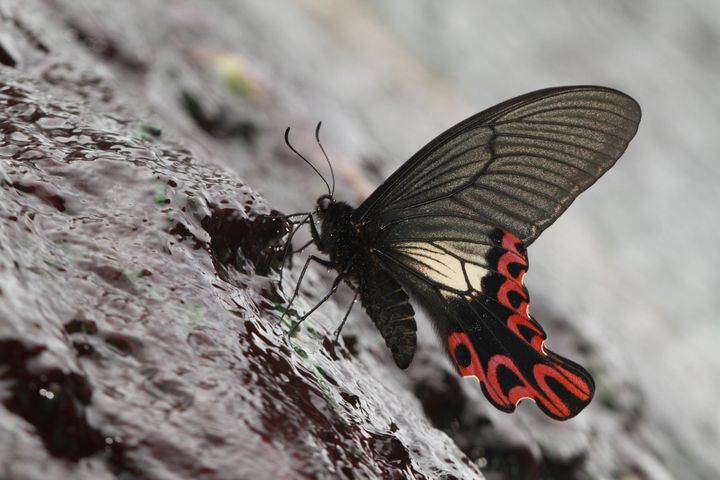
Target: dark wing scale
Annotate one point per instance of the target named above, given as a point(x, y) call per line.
point(441, 226)
point(518, 165)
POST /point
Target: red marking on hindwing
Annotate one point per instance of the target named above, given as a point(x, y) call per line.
point(511, 242)
point(577, 388)
point(508, 258)
point(503, 297)
point(474, 368)
point(512, 245)
point(572, 382)
point(515, 393)
point(543, 395)
point(515, 321)
point(550, 400)
point(510, 371)
point(456, 339)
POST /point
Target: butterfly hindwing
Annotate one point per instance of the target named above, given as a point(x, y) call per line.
point(507, 344)
point(475, 294)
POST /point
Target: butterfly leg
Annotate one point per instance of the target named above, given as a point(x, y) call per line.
point(288, 246)
point(332, 291)
point(314, 233)
point(311, 258)
point(347, 314)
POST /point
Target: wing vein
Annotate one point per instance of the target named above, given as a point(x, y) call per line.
point(580, 108)
point(623, 140)
point(553, 140)
point(525, 188)
point(510, 213)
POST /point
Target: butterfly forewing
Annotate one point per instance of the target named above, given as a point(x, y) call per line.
point(517, 166)
point(451, 225)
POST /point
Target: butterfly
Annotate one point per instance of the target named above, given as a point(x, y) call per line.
point(450, 230)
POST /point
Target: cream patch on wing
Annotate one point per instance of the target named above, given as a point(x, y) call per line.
point(475, 273)
point(441, 267)
point(470, 251)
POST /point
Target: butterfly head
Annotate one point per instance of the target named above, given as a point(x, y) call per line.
point(324, 203)
point(330, 210)
point(335, 222)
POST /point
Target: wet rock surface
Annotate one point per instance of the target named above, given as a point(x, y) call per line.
point(139, 335)
point(140, 311)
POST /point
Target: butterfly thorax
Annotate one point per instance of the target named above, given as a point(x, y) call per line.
point(343, 242)
point(383, 298)
point(339, 239)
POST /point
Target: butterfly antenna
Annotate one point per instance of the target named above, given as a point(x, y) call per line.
point(332, 173)
point(287, 141)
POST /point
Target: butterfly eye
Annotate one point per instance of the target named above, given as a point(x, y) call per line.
point(324, 202)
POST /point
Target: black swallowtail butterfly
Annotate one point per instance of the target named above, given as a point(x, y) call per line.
point(450, 229)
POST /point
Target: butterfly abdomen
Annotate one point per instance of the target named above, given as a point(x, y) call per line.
point(384, 300)
point(387, 304)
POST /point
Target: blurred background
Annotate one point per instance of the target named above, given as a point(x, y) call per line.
point(632, 265)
